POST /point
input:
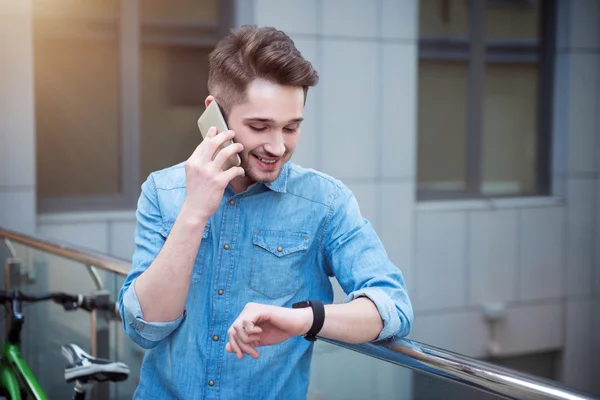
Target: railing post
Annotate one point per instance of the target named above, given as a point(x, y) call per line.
point(100, 340)
point(9, 271)
point(12, 274)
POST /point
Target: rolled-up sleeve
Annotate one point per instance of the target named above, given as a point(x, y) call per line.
point(148, 243)
point(355, 255)
point(146, 334)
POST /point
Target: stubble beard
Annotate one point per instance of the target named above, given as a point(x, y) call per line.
point(257, 177)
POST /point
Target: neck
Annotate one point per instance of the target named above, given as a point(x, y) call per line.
point(241, 183)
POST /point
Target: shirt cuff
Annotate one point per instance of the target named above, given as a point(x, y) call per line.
point(385, 306)
point(151, 331)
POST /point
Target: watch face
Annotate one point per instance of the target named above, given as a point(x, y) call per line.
point(301, 304)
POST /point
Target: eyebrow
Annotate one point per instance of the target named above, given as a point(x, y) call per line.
point(272, 121)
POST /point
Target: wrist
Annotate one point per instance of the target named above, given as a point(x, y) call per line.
point(192, 217)
point(316, 317)
point(306, 315)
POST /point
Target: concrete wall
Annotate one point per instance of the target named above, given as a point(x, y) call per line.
point(579, 60)
point(538, 256)
point(17, 117)
point(360, 127)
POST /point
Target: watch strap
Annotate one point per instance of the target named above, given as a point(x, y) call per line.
point(318, 309)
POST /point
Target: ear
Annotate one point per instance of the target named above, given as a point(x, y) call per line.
point(209, 99)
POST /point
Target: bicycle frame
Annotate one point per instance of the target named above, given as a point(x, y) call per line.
point(16, 374)
point(16, 378)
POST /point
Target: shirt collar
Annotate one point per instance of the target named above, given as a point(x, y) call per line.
point(280, 184)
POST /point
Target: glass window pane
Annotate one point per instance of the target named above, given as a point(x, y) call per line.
point(442, 125)
point(181, 10)
point(510, 129)
point(443, 18)
point(105, 9)
point(512, 19)
point(511, 95)
point(173, 89)
point(76, 99)
point(173, 80)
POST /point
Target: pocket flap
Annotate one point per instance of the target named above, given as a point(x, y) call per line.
point(280, 243)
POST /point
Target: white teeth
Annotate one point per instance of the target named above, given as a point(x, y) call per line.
point(267, 161)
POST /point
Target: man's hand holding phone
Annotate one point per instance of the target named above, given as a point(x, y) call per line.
point(205, 178)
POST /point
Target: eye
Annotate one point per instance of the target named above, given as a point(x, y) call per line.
point(290, 130)
point(257, 129)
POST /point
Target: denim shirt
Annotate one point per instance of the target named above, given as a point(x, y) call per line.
point(275, 243)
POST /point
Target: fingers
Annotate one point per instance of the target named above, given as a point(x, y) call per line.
point(212, 131)
point(250, 328)
point(233, 344)
point(234, 172)
point(241, 335)
point(244, 342)
point(210, 144)
point(247, 332)
point(253, 333)
point(220, 139)
point(226, 153)
point(240, 342)
point(209, 135)
point(244, 336)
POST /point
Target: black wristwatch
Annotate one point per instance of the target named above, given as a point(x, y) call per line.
point(318, 317)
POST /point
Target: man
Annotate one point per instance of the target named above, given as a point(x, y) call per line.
point(231, 268)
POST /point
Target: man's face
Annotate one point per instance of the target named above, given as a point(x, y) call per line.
point(268, 125)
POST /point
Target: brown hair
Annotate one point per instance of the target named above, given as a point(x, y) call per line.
point(249, 53)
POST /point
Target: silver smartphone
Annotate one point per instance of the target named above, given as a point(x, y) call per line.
point(212, 116)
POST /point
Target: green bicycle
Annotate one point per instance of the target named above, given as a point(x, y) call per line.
point(17, 381)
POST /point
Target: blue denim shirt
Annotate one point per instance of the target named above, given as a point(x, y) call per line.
point(275, 243)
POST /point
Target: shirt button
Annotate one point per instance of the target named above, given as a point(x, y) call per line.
point(216, 338)
point(221, 292)
point(232, 202)
point(280, 249)
point(211, 383)
point(226, 247)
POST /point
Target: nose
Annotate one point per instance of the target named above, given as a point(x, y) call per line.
point(276, 145)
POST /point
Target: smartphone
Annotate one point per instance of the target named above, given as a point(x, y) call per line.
point(212, 116)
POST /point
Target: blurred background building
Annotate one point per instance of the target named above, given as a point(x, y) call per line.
point(468, 130)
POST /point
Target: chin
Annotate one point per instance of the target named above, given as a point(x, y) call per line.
point(262, 176)
point(256, 174)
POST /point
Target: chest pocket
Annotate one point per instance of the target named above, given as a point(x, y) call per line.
point(276, 260)
point(202, 251)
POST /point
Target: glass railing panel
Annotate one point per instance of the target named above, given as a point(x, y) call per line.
point(431, 387)
point(48, 326)
point(400, 369)
point(124, 350)
point(23, 276)
point(338, 373)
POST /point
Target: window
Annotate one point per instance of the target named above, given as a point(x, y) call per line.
point(485, 70)
point(119, 86)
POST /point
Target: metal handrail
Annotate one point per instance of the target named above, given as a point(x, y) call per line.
point(75, 253)
point(407, 353)
point(464, 370)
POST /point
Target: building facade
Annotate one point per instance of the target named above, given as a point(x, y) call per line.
point(468, 131)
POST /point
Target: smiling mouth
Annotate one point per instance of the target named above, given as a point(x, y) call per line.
point(266, 162)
